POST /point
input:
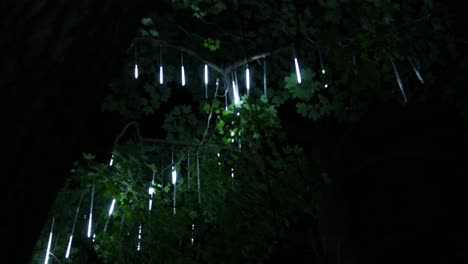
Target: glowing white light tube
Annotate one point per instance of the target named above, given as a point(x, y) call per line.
point(183, 75)
point(174, 175)
point(161, 76)
point(206, 74)
point(247, 78)
point(298, 72)
point(416, 71)
point(136, 71)
point(151, 192)
point(67, 255)
point(46, 261)
point(235, 89)
point(182, 69)
point(91, 212)
point(111, 162)
point(400, 83)
point(111, 209)
point(174, 180)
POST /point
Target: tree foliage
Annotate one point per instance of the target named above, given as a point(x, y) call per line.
point(253, 183)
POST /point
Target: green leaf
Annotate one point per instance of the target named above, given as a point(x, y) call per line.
point(146, 21)
point(154, 33)
point(88, 157)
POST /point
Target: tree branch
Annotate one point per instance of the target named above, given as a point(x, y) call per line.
point(188, 51)
point(239, 63)
point(186, 143)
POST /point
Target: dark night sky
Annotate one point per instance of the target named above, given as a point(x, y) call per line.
point(45, 77)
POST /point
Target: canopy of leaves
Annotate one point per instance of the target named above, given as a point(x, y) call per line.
point(241, 184)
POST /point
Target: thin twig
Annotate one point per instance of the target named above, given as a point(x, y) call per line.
point(50, 253)
point(133, 123)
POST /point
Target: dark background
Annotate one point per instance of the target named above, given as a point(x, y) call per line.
point(59, 56)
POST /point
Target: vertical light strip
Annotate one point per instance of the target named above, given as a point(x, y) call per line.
point(111, 209)
point(174, 182)
point(182, 69)
point(206, 81)
point(416, 71)
point(91, 212)
point(67, 254)
point(161, 76)
point(298, 72)
point(151, 192)
point(136, 71)
point(111, 162)
point(136, 65)
point(235, 92)
point(193, 229)
point(247, 79)
point(46, 261)
point(400, 83)
point(139, 238)
point(321, 63)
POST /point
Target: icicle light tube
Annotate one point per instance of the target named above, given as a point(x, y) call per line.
point(183, 75)
point(298, 71)
point(136, 71)
point(91, 212)
point(174, 175)
point(236, 93)
point(46, 261)
point(67, 255)
point(416, 71)
point(161, 76)
point(111, 209)
point(247, 78)
point(111, 162)
point(206, 74)
point(400, 83)
point(174, 181)
point(182, 68)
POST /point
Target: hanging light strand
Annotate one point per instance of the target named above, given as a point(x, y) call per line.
point(136, 65)
point(400, 83)
point(161, 74)
point(151, 192)
point(174, 182)
point(91, 212)
point(46, 261)
point(296, 65)
point(206, 81)
point(182, 68)
point(139, 238)
point(67, 253)
point(247, 78)
point(416, 71)
point(235, 90)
